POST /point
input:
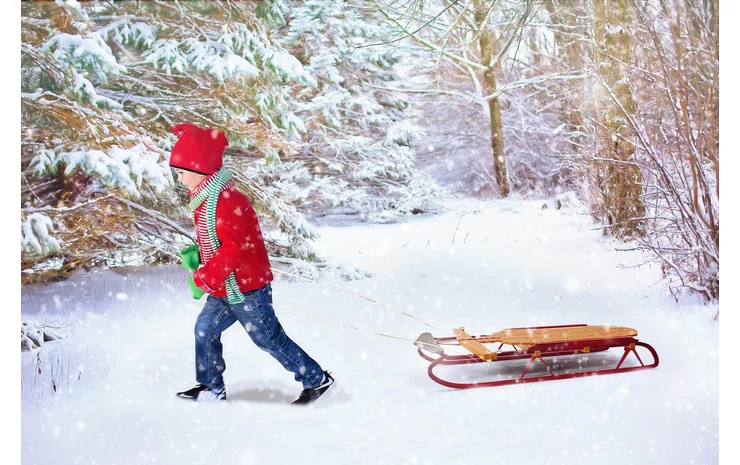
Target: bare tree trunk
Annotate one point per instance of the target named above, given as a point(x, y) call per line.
point(621, 205)
point(497, 137)
point(486, 43)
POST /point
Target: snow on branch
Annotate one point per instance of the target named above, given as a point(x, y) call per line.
point(89, 52)
point(125, 169)
point(36, 235)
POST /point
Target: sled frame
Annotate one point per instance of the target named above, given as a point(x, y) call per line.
point(537, 352)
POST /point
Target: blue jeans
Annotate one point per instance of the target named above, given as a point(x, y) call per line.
point(257, 316)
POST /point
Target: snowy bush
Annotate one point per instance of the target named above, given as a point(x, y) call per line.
point(35, 335)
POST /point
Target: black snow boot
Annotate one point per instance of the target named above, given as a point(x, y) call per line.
point(201, 393)
point(309, 396)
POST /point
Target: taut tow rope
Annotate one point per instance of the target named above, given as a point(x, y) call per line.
point(357, 295)
point(346, 325)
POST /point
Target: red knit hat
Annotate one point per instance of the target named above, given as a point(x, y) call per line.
point(198, 150)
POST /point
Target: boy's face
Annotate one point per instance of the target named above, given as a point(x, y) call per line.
point(190, 179)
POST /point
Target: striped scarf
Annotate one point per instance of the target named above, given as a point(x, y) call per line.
point(209, 192)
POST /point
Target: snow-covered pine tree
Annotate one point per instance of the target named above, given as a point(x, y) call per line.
point(102, 84)
point(356, 155)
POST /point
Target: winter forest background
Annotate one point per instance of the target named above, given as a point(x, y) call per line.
point(371, 109)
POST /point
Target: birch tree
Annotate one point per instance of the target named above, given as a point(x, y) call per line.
point(474, 37)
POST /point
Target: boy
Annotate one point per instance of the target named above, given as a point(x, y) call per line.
point(230, 263)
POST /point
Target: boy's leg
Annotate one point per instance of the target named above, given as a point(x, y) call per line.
point(258, 317)
point(212, 321)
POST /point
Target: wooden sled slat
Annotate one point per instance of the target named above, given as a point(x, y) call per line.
point(532, 336)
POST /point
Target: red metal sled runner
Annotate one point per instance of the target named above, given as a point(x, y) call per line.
point(570, 349)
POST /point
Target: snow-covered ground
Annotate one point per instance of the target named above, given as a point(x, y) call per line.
point(105, 394)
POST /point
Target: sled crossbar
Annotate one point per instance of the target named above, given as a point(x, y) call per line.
point(474, 346)
point(536, 344)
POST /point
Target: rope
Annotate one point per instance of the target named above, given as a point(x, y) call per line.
point(345, 325)
point(389, 336)
point(358, 295)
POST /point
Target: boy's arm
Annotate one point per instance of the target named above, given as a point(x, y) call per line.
point(232, 228)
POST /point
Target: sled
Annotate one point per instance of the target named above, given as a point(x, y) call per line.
point(569, 351)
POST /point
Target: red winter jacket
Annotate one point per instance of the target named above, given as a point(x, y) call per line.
point(242, 247)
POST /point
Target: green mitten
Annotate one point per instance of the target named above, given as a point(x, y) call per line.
point(190, 257)
point(197, 292)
